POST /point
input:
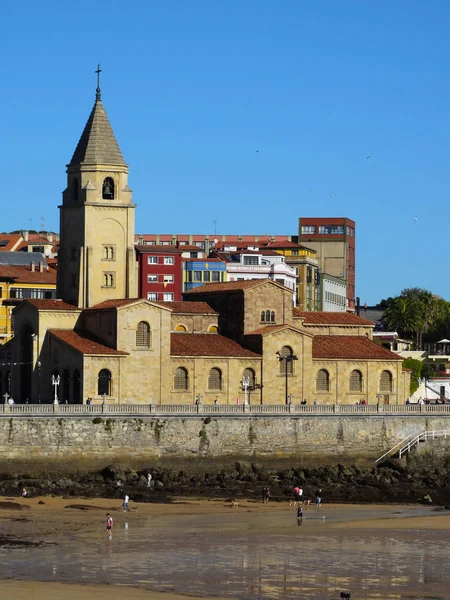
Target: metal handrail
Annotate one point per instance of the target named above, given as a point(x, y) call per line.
point(407, 444)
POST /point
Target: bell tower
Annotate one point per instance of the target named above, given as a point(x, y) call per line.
point(96, 260)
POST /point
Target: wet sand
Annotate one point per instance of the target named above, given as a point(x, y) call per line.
point(213, 549)
point(26, 590)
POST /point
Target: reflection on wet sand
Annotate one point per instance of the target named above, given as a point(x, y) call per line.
point(254, 554)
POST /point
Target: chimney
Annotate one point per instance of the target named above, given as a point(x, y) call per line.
point(50, 236)
point(32, 266)
point(25, 235)
point(41, 267)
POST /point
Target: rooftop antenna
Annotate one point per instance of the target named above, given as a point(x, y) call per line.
point(42, 224)
point(215, 226)
point(98, 94)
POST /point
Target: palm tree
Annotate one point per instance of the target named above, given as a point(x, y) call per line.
point(403, 315)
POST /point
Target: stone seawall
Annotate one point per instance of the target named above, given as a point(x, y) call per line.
point(79, 443)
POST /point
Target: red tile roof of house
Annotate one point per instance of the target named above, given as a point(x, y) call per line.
point(23, 274)
point(13, 241)
point(230, 286)
point(114, 303)
point(330, 318)
point(160, 249)
point(350, 347)
point(83, 344)
point(207, 344)
point(51, 304)
point(189, 307)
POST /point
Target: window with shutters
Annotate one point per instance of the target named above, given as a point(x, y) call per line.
point(215, 379)
point(180, 380)
point(356, 381)
point(386, 381)
point(323, 381)
point(143, 335)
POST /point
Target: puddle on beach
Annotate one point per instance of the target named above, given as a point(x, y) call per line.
point(249, 555)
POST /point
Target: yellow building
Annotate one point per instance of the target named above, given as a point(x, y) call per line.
point(304, 261)
point(99, 340)
point(18, 282)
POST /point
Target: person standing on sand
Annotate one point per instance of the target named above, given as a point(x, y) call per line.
point(318, 497)
point(125, 503)
point(149, 480)
point(299, 515)
point(109, 525)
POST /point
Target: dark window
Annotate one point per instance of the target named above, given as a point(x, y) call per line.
point(108, 188)
point(251, 260)
point(104, 383)
point(215, 276)
point(272, 317)
point(207, 276)
point(263, 316)
point(193, 254)
point(308, 274)
point(286, 352)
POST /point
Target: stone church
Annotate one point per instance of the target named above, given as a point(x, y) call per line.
point(226, 343)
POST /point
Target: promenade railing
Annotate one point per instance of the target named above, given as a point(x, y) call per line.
point(217, 409)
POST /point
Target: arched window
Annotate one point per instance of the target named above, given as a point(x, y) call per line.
point(111, 280)
point(75, 189)
point(143, 335)
point(263, 316)
point(386, 381)
point(272, 317)
point(267, 316)
point(180, 328)
point(212, 329)
point(323, 381)
point(250, 373)
point(215, 379)
point(104, 383)
point(356, 381)
point(108, 189)
point(181, 379)
point(288, 364)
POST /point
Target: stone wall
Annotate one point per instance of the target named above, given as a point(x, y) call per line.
point(77, 443)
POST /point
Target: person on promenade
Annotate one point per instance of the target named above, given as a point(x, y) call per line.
point(319, 497)
point(109, 525)
point(149, 480)
point(125, 503)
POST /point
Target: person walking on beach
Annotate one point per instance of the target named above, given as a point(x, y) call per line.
point(109, 525)
point(299, 515)
point(318, 497)
point(149, 480)
point(265, 495)
point(125, 503)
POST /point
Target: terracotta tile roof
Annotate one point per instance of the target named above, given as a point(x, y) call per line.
point(228, 286)
point(83, 344)
point(207, 344)
point(161, 249)
point(114, 303)
point(330, 318)
point(350, 347)
point(22, 274)
point(51, 305)
point(189, 307)
point(9, 242)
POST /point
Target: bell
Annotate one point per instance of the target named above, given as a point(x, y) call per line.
point(107, 189)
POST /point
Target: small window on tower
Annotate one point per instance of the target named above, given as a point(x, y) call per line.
point(108, 189)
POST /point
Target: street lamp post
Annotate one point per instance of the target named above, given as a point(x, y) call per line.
point(39, 365)
point(56, 380)
point(288, 359)
point(245, 382)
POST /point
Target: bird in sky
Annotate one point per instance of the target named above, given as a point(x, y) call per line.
point(352, 193)
point(415, 218)
point(311, 190)
point(331, 195)
point(257, 151)
point(369, 157)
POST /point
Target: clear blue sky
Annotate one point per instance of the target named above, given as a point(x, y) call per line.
point(194, 88)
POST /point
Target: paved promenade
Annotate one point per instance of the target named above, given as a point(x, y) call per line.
point(136, 410)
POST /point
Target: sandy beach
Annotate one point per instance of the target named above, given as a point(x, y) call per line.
point(57, 547)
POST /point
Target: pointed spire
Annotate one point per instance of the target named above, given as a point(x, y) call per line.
point(98, 144)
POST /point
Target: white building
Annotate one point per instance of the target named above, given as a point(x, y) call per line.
point(259, 264)
point(334, 294)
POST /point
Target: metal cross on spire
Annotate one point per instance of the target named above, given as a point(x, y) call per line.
point(98, 93)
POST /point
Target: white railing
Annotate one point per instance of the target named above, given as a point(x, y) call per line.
point(407, 444)
point(222, 409)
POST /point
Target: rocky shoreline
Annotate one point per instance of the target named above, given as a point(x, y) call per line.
point(391, 482)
